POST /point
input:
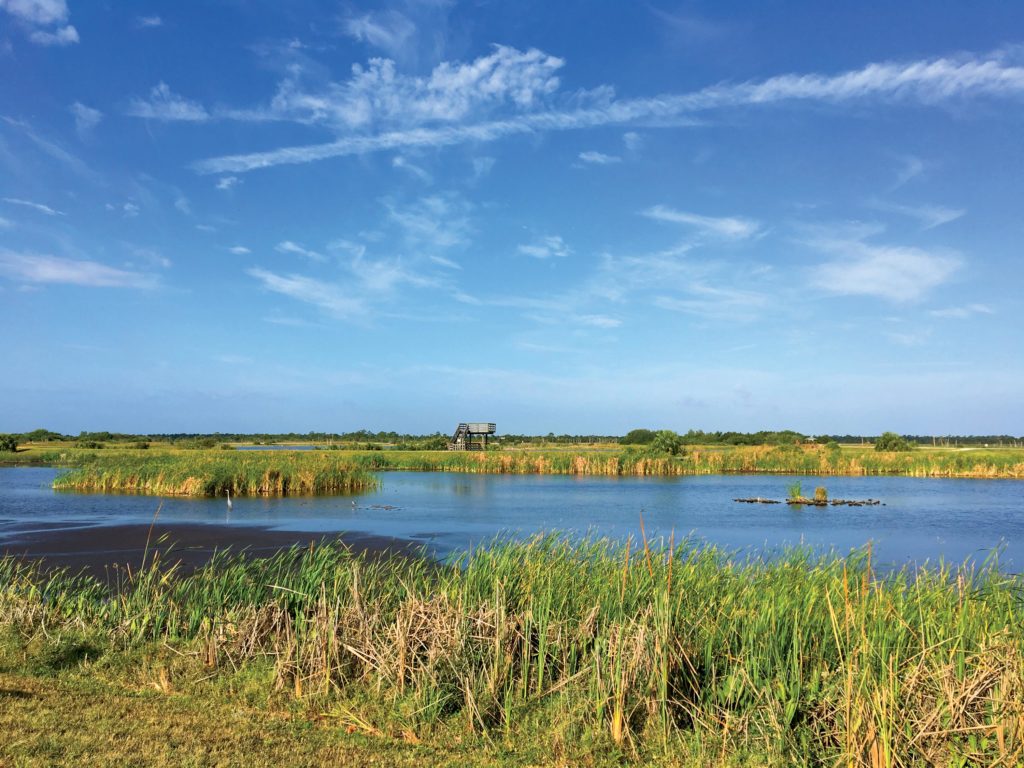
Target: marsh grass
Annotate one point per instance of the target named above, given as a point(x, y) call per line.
point(640, 650)
point(214, 473)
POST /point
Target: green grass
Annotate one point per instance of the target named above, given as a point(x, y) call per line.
point(214, 473)
point(572, 652)
point(173, 471)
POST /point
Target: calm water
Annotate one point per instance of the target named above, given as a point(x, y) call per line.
point(922, 519)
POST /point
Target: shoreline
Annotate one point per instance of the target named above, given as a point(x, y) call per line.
point(98, 550)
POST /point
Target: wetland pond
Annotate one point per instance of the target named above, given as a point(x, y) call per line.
point(919, 519)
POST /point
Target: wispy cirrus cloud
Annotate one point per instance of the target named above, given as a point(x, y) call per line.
point(324, 294)
point(398, 112)
point(592, 157)
point(546, 247)
point(86, 118)
point(436, 222)
point(963, 312)
point(729, 227)
point(40, 207)
point(892, 272)
point(34, 268)
point(287, 246)
point(388, 30)
point(400, 162)
point(930, 216)
point(46, 20)
point(164, 104)
point(149, 22)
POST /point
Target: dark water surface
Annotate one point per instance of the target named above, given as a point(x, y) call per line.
point(923, 519)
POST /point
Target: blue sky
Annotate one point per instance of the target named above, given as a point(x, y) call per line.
point(567, 217)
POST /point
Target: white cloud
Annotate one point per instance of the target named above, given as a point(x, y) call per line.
point(908, 338)
point(400, 162)
point(598, 158)
point(164, 104)
point(42, 269)
point(37, 14)
point(399, 107)
point(910, 168)
point(930, 216)
point(287, 246)
point(34, 206)
point(388, 30)
point(182, 204)
point(61, 36)
point(86, 118)
point(5, 223)
point(633, 141)
point(42, 12)
point(549, 246)
point(964, 312)
point(719, 303)
point(599, 321)
point(896, 273)
point(131, 210)
point(482, 166)
point(227, 182)
point(436, 221)
point(731, 227)
point(239, 250)
point(149, 21)
point(356, 250)
point(378, 96)
point(152, 258)
point(311, 291)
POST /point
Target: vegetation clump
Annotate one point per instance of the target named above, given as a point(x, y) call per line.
point(582, 649)
point(638, 437)
point(890, 441)
point(8, 443)
point(667, 441)
point(214, 473)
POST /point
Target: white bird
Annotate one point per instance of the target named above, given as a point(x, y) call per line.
point(228, 492)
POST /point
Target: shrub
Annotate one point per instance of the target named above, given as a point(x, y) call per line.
point(890, 441)
point(8, 443)
point(820, 493)
point(667, 441)
point(638, 437)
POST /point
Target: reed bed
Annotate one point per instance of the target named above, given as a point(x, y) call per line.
point(215, 473)
point(650, 651)
point(808, 459)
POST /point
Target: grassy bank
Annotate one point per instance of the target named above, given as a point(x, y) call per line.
point(162, 470)
point(573, 652)
point(214, 473)
point(808, 459)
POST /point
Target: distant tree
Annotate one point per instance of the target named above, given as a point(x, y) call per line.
point(41, 435)
point(890, 441)
point(667, 441)
point(8, 443)
point(638, 437)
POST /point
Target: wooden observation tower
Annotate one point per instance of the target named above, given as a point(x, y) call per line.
point(471, 436)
